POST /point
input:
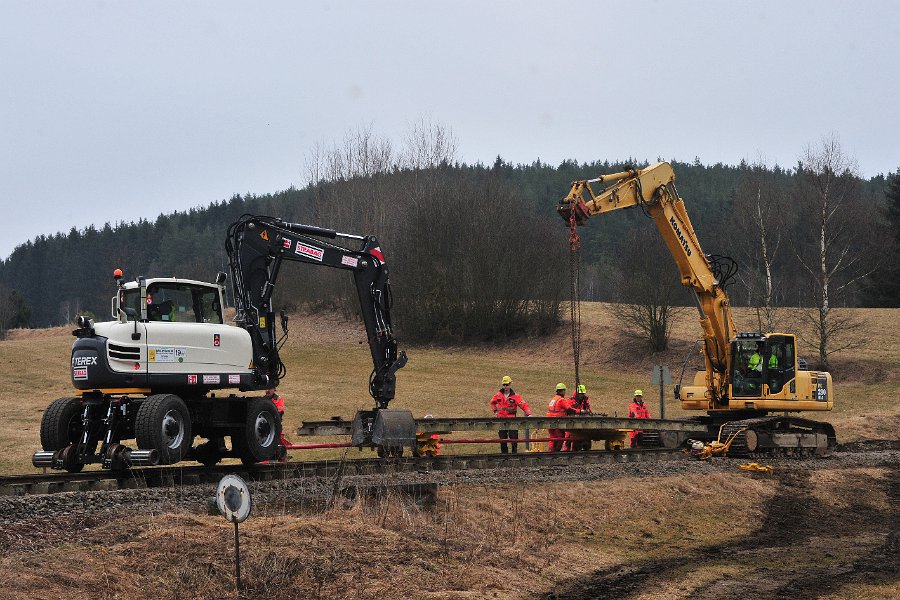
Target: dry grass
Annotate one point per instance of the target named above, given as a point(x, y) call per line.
point(328, 368)
point(384, 548)
point(506, 542)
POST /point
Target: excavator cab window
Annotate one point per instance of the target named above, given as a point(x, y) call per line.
point(779, 362)
point(177, 303)
point(747, 376)
point(207, 306)
point(172, 303)
point(130, 299)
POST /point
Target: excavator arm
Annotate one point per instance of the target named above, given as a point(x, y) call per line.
point(258, 245)
point(653, 189)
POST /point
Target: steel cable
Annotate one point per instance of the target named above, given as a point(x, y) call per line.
point(575, 303)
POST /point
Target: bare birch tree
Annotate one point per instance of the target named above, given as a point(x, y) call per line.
point(428, 145)
point(648, 288)
point(835, 248)
point(760, 221)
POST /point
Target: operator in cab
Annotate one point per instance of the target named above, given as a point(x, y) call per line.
point(756, 362)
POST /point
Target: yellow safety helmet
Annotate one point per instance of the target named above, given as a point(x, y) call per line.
point(560, 386)
point(506, 379)
point(581, 389)
point(638, 392)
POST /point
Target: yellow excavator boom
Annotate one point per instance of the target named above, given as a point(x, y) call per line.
point(653, 189)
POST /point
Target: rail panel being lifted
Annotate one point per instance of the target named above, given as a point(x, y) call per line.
point(339, 426)
point(672, 433)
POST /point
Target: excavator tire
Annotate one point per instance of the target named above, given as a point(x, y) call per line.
point(258, 439)
point(61, 423)
point(163, 423)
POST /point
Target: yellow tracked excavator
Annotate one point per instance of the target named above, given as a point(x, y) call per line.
point(752, 380)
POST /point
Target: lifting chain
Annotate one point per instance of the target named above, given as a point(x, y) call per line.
point(575, 304)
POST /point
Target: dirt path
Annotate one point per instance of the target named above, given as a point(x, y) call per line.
point(805, 547)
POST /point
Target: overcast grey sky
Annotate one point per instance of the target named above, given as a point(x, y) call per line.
point(112, 111)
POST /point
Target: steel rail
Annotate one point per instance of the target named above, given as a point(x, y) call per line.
point(340, 426)
point(176, 476)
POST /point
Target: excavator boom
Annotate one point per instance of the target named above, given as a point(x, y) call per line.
point(653, 189)
point(258, 245)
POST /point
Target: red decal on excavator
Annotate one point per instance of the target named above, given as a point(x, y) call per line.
point(376, 252)
point(310, 251)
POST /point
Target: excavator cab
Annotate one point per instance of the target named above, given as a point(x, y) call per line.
point(761, 364)
point(176, 302)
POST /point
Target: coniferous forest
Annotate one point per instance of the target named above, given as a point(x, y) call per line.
point(477, 252)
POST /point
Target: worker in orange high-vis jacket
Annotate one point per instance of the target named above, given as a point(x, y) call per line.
point(559, 406)
point(637, 410)
point(278, 401)
point(581, 404)
point(505, 404)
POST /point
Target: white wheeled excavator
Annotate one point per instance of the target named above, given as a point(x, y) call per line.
point(169, 369)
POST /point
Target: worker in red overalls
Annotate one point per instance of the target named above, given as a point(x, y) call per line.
point(559, 406)
point(278, 401)
point(505, 405)
point(637, 410)
point(581, 405)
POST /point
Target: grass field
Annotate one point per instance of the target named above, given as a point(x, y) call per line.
point(328, 368)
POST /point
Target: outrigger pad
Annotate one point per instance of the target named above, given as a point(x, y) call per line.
point(384, 428)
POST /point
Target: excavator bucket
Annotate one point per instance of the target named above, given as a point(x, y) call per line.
point(388, 429)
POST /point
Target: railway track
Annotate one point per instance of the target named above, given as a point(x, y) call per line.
point(154, 477)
